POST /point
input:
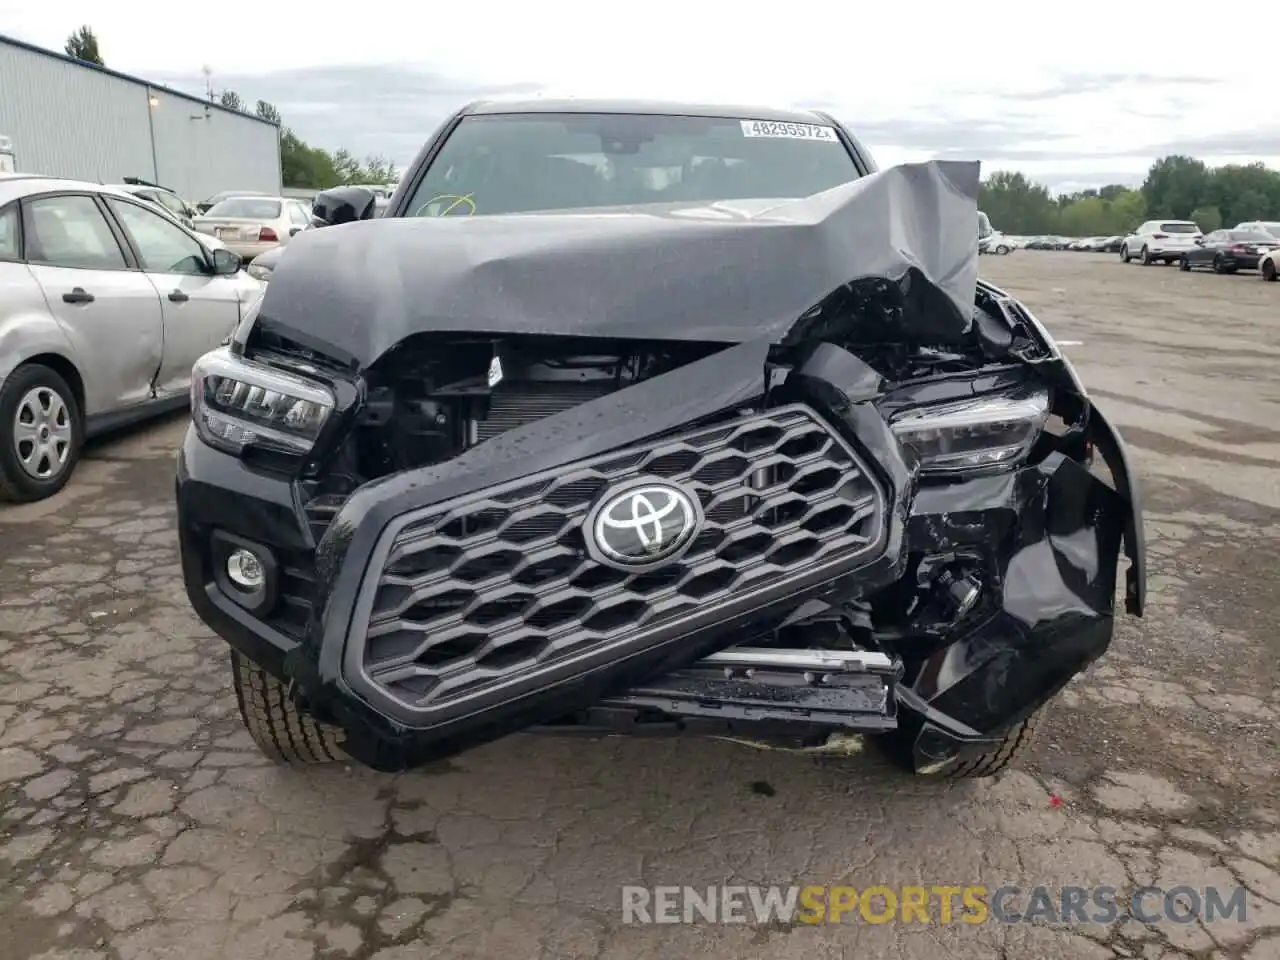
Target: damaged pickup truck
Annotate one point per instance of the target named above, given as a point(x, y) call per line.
point(632, 419)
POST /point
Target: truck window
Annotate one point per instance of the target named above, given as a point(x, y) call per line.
point(516, 163)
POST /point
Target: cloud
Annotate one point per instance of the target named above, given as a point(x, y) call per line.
point(1076, 84)
point(1071, 181)
point(1261, 141)
point(950, 137)
point(385, 109)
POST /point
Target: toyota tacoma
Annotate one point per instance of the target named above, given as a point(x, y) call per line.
point(644, 419)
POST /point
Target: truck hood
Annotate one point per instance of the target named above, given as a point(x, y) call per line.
point(890, 256)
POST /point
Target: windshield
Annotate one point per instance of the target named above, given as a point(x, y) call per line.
point(521, 163)
point(1250, 236)
point(1179, 228)
point(1272, 227)
point(247, 207)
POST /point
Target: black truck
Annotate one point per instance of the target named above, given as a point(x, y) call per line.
point(637, 418)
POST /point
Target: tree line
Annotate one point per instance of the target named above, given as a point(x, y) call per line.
point(301, 165)
point(1176, 186)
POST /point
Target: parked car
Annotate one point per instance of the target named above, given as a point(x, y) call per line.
point(991, 240)
point(105, 304)
point(1271, 227)
point(251, 225)
point(1227, 251)
point(1269, 265)
point(168, 199)
point(1163, 240)
point(204, 205)
point(652, 453)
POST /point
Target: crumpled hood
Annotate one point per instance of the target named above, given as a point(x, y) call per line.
point(730, 272)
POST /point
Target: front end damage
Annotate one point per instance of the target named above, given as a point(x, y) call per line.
point(902, 514)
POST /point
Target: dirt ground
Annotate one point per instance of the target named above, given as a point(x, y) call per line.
point(137, 821)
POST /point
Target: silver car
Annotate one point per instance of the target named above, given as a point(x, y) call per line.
point(105, 303)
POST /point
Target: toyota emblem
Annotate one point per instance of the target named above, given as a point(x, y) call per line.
point(642, 527)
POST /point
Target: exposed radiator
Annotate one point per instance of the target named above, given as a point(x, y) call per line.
point(513, 405)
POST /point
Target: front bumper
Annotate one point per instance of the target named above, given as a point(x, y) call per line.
point(401, 617)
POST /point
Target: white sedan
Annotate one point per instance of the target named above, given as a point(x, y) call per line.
point(250, 225)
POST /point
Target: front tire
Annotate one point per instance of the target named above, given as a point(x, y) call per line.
point(281, 731)
point(1146, 257)
point(41, 434)
point(1268, 270)
point(896, 746)
point(1184, 265)
point(1012, 748)
point(1124, 255)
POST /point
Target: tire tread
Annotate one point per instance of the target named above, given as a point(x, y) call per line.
point(1015, 743)
point(281, 731)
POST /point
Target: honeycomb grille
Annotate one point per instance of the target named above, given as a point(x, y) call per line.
point(499, 582)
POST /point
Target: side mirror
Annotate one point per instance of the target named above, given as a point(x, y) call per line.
point(1198, 241)
point(225, 262)
point(294, 231)
point(343, 205)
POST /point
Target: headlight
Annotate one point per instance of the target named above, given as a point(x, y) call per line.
point(259, 272)
point(981, 435)
point(236, 403)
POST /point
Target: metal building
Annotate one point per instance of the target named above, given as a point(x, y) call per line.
point(67, 118)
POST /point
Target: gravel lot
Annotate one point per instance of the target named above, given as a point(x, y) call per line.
point(137, 821)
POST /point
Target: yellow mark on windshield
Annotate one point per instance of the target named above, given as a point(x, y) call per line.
point(457, 199)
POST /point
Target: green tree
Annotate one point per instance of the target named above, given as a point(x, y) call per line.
point(1244, 192)
point(83, 45)
point(1175, 186)
point(1016, 205)
point(267, 111)
point(1207, 218)
point(231, 99)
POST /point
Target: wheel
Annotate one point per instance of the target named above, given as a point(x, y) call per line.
point(1184, 265)
point(1217, 265)
point(1002, 250)
point(281, 731)
point(896, 747)
point(1146, 257)
point(1268, 270)
point(1124, 255)
point(41, 433)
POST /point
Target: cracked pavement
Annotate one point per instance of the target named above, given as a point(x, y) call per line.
point(137, 820)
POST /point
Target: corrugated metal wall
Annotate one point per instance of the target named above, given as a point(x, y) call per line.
point(201, 150)
point(69, 120)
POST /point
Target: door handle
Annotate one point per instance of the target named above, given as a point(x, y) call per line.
point(77, 295)
point(177, 296)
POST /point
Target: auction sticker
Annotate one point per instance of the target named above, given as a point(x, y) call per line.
point(787, 131)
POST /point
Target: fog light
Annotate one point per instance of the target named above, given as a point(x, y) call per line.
point(244, 569)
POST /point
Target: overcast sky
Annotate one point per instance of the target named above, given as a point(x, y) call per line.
point(1073, 95)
